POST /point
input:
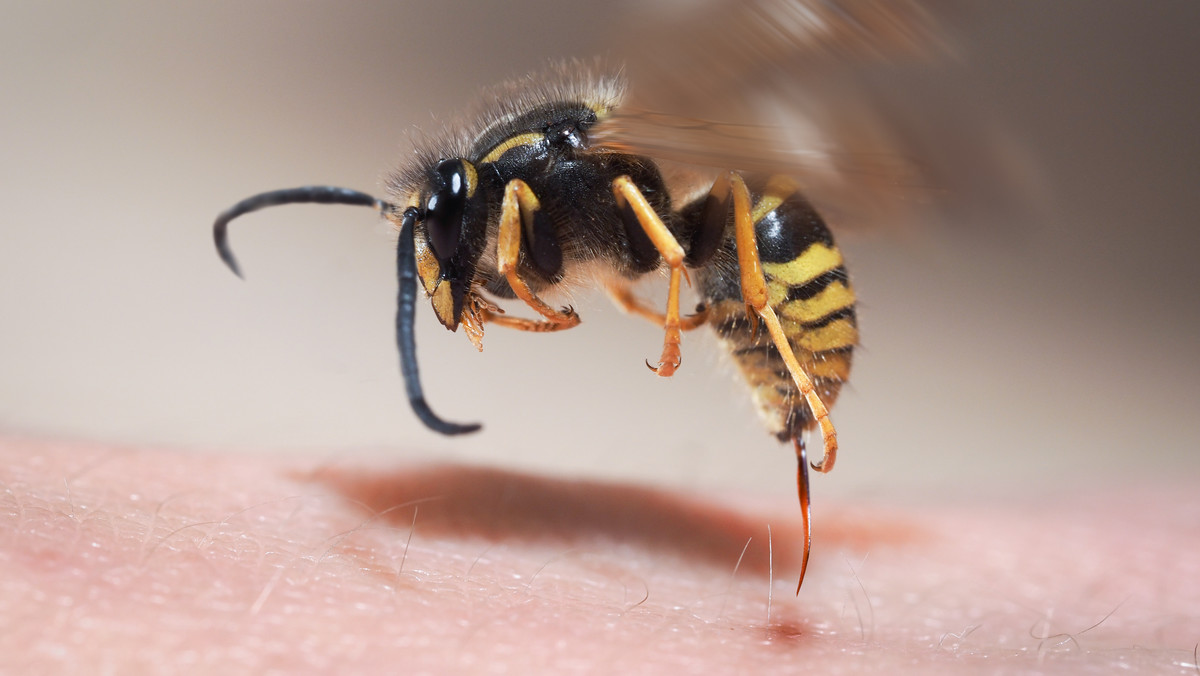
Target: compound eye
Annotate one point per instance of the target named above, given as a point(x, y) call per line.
point(444, 209)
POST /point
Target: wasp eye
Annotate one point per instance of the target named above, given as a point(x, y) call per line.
point(444, 209)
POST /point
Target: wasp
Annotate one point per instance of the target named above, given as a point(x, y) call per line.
point(554, 185)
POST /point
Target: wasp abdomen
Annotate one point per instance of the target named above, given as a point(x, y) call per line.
point(810, 291)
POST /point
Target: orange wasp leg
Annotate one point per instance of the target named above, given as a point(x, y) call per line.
point(623, 297)
point(523, 324)
point(518, 206)
point(628, 194)
point(754, 293)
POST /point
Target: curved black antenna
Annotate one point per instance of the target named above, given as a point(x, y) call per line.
point(313, 194)
point(406, 270)
point(406, 306)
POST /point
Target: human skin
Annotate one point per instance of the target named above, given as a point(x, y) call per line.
point(136, 560)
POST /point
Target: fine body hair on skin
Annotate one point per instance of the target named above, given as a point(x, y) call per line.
point(125, 560)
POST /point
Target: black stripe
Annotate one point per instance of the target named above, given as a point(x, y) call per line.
point(771, 352)
point(822, 385)
point(844, 313)
point(815, 286)
point(787, 231)
point(766, 349)
point(738, 327)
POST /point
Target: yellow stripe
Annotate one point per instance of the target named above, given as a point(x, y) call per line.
point(834, 335)
point(512, 142)
point(814, 262)
point(777, 190)
point(833, 367)
point(776, 293)
point(832, 298)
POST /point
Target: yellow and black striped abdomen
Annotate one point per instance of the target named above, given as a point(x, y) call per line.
point(810, 291)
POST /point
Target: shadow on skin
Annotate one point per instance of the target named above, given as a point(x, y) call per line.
point(501, 505)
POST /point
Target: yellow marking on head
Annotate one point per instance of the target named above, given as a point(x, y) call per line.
point(777, 190)
point(836, 296)
point(427, 266)
point(472, 178)
point(443, 306)
point(814, 262)
point(508, 144)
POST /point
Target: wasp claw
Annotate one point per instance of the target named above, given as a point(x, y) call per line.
point(665, 369)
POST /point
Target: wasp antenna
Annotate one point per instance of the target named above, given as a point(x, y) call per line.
point(406, 306)
point(313, 194)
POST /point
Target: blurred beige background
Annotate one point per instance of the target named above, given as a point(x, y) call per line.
point(1060, 352)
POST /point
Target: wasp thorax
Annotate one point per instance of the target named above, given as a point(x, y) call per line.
point(571, 132)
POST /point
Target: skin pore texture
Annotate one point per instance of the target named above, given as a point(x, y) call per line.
point(135, 560)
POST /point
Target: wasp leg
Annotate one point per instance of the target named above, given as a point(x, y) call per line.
point(704, 244)
point(523, 324)
point(521, 206)
point(754, 293)
point(714, 217)
point(629, 303)
point(628, 196)
point(805, 504)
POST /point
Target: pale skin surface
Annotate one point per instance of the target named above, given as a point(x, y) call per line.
point(125, 560)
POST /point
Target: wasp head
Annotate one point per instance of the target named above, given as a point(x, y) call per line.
point(451, 233)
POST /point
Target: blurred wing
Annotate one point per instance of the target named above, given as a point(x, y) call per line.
point(709, 53)
point(865, 102)
point(855, 188)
